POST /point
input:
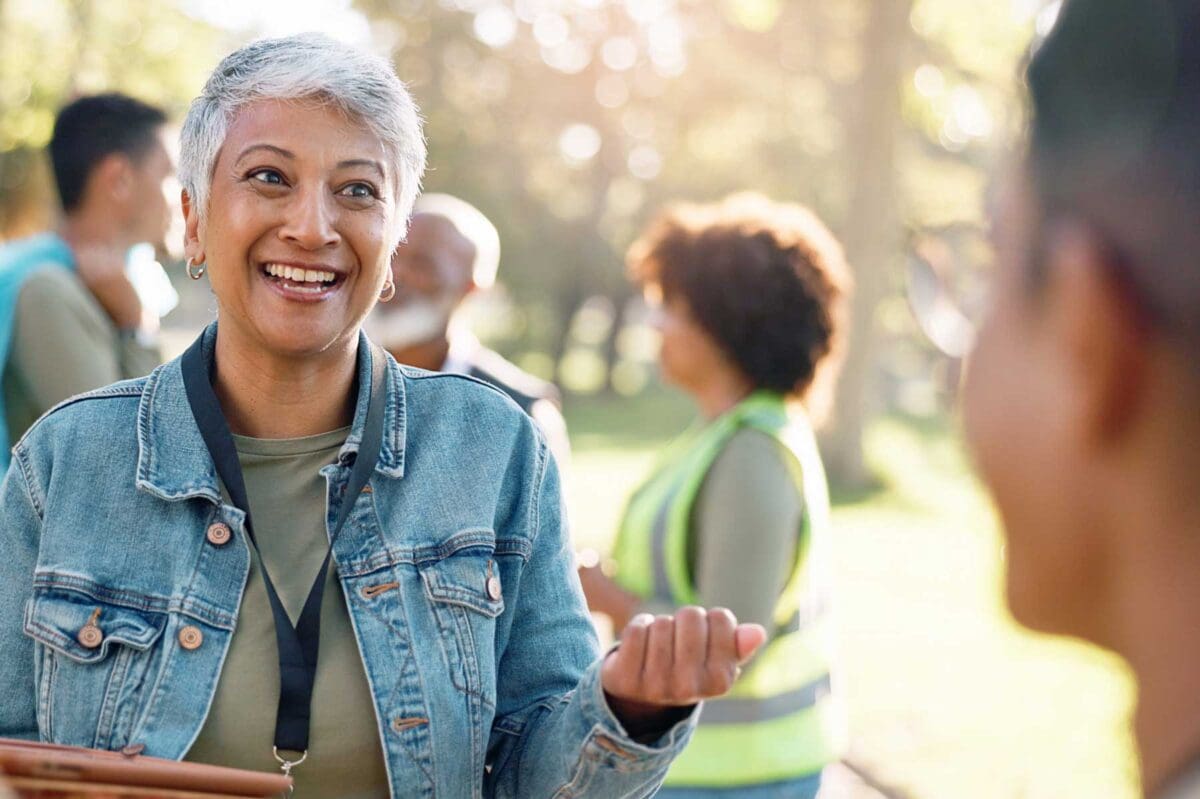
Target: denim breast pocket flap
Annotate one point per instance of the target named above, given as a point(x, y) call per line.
point(465, 573)
point(85, 629)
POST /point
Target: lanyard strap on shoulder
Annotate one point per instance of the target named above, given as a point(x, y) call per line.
point(297, 644)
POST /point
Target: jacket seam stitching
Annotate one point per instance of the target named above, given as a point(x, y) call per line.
point(109, 392)
point(27, 478)
point(131, 600)
point(540, 483)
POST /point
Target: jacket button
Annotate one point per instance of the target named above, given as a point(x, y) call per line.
point(219, 534)
point(90, 636)
point(493, 587)
point(190, 637)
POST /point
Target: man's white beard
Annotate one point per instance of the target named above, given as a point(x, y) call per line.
point(418, 321)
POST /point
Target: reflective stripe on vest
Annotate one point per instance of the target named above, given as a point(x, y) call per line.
point(748, 711)
point(778, 721)
point(658, 546)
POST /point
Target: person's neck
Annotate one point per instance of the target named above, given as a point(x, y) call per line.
point(720, 394)
point(266, 396)
point(1160, 638)
point(92, 228)
point(430, 355)
point(1167, 720)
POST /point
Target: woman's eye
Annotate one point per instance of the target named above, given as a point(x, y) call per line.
point(268, 176)
point(359, 191)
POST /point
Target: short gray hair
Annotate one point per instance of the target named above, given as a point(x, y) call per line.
point(304, 66)
point(473, 226)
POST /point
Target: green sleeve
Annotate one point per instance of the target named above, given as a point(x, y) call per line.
point(64, 343)
point(137, 359)
point(746, 528)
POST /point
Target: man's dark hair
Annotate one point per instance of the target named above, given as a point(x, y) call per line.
point(91, 128)
point(1115, 142)
point(767, 281)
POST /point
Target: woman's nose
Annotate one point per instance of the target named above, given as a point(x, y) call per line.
point(311, 221)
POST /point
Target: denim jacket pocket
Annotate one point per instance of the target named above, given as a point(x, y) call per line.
point(87, 649)
point(464, 588)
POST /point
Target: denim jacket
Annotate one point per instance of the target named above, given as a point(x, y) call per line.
point(107, 507)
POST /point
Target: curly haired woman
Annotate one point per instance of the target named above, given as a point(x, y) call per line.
point(750, 299)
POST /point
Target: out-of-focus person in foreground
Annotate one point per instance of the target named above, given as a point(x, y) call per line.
point(1082, 401)
point(452, 251)
point(71, 319)
point(752, 298)
point(285, 548)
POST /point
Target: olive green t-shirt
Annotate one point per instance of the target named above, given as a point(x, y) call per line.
point(744, 530)
point(63, 344)
point(345, 759)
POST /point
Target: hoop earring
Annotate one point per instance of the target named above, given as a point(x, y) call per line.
point(389, 291)
point(196, 270)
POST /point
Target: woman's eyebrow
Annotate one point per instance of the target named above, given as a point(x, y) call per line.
point(270, 147)
point(367, 162)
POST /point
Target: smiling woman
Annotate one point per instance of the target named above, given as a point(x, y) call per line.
point(301, 222)
point(143, 604)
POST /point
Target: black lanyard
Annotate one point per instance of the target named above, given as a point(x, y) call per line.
point(297, 644)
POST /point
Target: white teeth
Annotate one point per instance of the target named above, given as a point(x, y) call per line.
point(297, 275)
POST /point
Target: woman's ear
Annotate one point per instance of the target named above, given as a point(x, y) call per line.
point(1101, 335)
point(193, 230)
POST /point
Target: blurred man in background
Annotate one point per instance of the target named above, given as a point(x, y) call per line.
point(453, 250)
point(1083, 400)
point(71, 319)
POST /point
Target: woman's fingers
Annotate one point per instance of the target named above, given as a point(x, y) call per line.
point(691, 634)
point(622, 670)
point(749, 637)
point(671, 661)
point(660, 657)
point(722, 660)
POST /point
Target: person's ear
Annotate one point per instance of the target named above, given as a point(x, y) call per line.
point(1100, 334)
point(193, 230)
point(112, 180)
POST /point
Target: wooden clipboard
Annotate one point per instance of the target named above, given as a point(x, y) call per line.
point(41, 771)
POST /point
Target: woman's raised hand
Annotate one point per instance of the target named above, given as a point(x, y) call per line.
point(668, 663)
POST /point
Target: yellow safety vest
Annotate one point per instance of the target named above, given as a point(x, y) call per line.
point(781, 719)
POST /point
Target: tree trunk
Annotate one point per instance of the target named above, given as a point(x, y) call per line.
point(611, 355)
point(870, 231)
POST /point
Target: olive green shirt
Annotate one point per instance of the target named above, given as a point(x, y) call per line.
point(345, 759)
point(63, 344)
point(745, 529)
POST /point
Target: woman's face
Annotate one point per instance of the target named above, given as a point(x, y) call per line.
point(1018, 408)
point(688, 357)
point(300, 228)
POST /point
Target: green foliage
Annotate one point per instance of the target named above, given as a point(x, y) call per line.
point(52, 50)
point(571, 122)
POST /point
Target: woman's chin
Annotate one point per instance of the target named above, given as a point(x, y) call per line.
point(301, 329)
point(302, 339)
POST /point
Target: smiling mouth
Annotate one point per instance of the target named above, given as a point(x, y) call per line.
point(299, 279)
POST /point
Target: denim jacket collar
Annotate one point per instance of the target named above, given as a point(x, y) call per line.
point(173, 461)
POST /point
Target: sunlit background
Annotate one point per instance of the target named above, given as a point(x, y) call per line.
point(569, 123)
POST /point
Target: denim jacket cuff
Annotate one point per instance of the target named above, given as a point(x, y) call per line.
point(597, 712)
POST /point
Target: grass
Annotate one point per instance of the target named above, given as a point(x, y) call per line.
point(947, 698)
